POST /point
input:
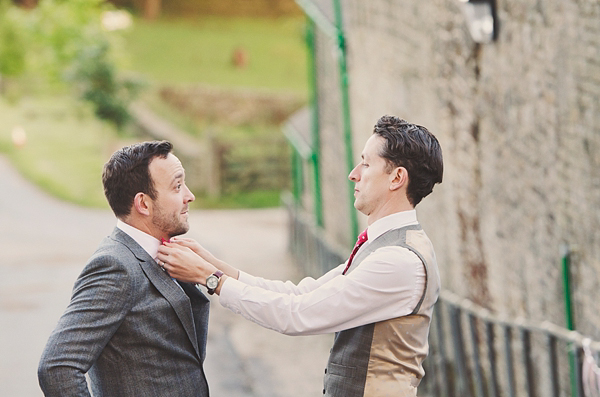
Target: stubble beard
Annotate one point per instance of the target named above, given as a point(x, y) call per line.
point(170, 225)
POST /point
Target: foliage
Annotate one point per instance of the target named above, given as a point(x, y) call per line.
point(97, 81)
point(12, 43)
point(63, 41)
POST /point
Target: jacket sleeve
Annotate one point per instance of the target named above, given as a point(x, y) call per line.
point(99, 304)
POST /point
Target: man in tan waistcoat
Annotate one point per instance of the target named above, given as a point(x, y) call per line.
point(380, 301)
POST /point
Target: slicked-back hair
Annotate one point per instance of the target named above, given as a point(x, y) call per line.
point(415, 148)
point(126, 174)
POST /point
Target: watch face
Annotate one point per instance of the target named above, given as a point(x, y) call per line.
point(212, 282)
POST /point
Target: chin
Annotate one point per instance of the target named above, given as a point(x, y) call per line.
point(358, 205)
point(180, 231)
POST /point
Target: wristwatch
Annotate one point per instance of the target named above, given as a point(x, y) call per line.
point(212, 281)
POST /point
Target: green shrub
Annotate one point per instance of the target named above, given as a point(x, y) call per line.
point(62, 43)
point(97, 80)
point(12, 43)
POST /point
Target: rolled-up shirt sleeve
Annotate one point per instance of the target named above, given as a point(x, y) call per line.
point(387, 284)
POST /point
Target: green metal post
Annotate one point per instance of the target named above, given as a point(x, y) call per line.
point(298, 177)
point(566, 271)
point(346, 112)
point(316, 142)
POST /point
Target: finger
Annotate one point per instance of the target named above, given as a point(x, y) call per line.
point(172, 247)
point(163, 258)
point(183, 244)
point(164, 250)
point(186, 239)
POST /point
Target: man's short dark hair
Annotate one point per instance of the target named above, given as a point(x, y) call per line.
point(126, 174)
point(415, 148)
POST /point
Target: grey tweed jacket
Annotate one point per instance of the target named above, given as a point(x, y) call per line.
point(131, 326)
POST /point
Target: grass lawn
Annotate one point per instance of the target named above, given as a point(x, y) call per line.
point(200, 50)
point(255, 199)
point(65, 150)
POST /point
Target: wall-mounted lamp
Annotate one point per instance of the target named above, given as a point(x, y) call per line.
point(481, 19)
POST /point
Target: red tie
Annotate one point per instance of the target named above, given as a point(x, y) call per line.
point(362, 238)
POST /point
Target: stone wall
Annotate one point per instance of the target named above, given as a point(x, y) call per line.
point(519, 123)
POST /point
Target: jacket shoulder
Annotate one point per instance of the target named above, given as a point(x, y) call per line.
point(113, 256)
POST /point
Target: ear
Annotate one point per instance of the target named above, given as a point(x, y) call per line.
point(142, 204)
point(398, 178)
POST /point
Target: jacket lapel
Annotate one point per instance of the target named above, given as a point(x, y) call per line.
point(168, 288)
point(200, 309)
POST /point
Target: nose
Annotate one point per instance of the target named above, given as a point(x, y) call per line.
point(189, 196)
point(355, 174)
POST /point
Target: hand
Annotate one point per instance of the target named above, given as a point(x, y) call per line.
point(197, 248)
point(206, 255)
point(184, 264)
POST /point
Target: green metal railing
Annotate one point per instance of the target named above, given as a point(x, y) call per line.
point(566, 271)
point(493, 357)
point(341, 39)
point(317, 20)
point(314, 108)
point(472, 352)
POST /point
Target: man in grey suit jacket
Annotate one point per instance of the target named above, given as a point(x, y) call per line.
point(136, 330)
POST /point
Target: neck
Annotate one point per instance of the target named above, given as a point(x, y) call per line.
point(146, 227)
point(388, 209)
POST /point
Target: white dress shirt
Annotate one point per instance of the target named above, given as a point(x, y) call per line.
point(387, 284)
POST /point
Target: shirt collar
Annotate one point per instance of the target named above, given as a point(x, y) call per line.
point(393, 221)
point(146, 241)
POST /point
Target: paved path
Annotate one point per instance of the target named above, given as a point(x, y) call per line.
point(45, 242)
